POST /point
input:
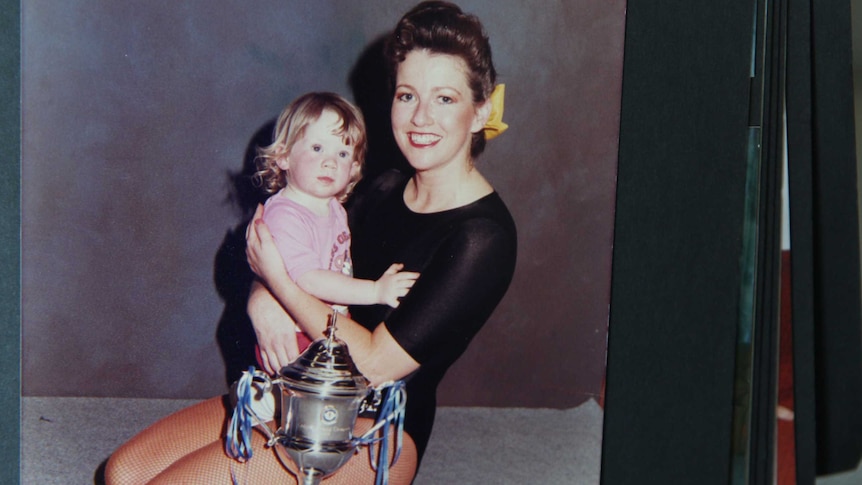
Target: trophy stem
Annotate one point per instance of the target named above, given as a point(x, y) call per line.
point(311, 476)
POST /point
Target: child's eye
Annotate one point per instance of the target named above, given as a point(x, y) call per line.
point(316, 148)
point(343, 154)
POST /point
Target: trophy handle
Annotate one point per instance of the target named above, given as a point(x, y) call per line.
point(389, 401)
point(248, 413)
point(372, 400)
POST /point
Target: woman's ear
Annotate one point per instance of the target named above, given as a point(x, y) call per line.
point(483, 112)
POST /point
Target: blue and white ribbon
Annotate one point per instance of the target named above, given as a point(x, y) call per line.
point(238, 440)
point(391, 412)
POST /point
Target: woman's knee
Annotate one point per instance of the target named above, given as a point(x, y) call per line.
point(118, 469)
point(150, 451)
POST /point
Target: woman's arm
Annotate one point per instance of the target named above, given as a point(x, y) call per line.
point(377, 355)
point(273, 327)
point(466, 269)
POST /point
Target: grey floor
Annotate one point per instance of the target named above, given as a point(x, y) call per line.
point(66, 441)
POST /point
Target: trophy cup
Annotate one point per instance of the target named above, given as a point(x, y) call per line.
point(322, 393)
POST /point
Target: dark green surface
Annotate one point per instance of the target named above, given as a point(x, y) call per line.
point(677, 247)
point(10, 182)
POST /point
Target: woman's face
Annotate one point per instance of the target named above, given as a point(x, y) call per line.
point(433, 115)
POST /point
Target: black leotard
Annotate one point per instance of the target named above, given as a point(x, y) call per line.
point(466, 257)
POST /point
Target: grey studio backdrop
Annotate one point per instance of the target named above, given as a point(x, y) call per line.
point(137, 117)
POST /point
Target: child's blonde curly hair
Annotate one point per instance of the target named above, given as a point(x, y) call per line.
point(290, 126)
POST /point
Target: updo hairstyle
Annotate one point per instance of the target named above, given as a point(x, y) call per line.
point(442, 28)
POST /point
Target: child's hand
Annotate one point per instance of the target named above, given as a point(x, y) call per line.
point(394, 284)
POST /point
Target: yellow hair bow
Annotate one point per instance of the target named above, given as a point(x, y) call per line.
point(495, 126)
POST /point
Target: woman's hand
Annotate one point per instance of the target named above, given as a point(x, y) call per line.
point(275, 330)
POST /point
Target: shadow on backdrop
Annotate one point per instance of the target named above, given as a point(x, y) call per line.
point(233, 277)
point(372, 92)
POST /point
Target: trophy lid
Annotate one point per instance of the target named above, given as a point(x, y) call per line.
point(326, 367)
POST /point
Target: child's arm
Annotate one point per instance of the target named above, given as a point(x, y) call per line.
point(339, 288)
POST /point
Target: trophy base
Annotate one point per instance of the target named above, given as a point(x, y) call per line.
point(314, 461)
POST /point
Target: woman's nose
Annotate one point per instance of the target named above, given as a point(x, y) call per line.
point(422, 115)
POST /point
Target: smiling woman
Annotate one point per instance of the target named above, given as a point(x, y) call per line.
point(444, 220)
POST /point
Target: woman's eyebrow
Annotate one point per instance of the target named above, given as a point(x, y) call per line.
point(435, 89)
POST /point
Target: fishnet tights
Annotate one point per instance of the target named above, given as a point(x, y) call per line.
point(187, 447)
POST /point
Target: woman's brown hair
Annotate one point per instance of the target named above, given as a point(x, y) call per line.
point(443, 28)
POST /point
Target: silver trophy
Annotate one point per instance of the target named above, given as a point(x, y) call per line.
point(322, 394)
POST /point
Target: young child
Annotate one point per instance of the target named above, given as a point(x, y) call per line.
point(311, 167)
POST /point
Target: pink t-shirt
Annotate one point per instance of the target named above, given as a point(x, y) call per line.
point(307, 241)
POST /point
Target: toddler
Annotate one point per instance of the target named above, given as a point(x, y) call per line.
point(310, 169)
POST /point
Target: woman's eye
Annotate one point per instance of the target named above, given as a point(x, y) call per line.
point(446, 100)
point(405, 97)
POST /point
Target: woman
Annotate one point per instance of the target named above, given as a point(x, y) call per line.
point(444, 221)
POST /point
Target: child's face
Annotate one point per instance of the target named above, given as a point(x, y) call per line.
point(320, 164)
